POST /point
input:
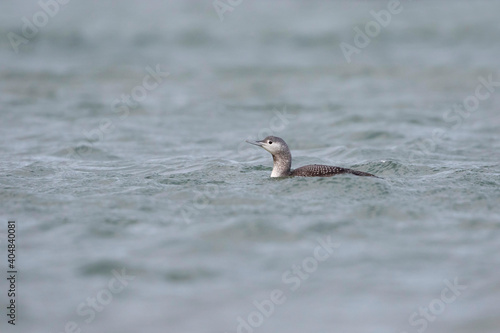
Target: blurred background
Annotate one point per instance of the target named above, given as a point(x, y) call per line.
point(139, 206)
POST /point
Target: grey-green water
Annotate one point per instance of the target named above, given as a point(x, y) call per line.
point(165, 192)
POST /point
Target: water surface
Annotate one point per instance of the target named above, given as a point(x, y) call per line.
point(166, 193)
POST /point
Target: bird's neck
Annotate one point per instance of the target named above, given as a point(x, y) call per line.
point(282, 165)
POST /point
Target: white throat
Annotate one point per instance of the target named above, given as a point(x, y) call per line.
point(276, 172)
point(281, 165)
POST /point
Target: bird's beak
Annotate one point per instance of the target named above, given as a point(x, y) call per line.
point(257, 143)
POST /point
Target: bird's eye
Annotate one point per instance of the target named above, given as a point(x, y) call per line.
point(270, 142)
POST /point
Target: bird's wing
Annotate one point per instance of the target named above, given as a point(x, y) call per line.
point(316, 170)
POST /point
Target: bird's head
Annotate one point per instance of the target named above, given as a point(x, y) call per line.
point(272, 144)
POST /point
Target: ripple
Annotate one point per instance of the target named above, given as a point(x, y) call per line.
point(85, 152)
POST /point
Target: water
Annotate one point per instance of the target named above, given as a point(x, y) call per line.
point(166, 193)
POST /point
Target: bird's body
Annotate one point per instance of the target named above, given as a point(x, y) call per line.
point(317, 170)
point(283, 162)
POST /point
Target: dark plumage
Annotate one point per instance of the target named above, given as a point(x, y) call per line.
point(283, 161)
point(316, 170)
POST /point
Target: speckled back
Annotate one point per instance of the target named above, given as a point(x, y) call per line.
point(317, 170)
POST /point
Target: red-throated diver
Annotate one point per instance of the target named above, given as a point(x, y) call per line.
point(283, 162)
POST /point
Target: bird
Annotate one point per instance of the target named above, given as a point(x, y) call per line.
point(283, 162)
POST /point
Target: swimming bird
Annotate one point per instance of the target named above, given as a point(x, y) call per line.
point(283, 162)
